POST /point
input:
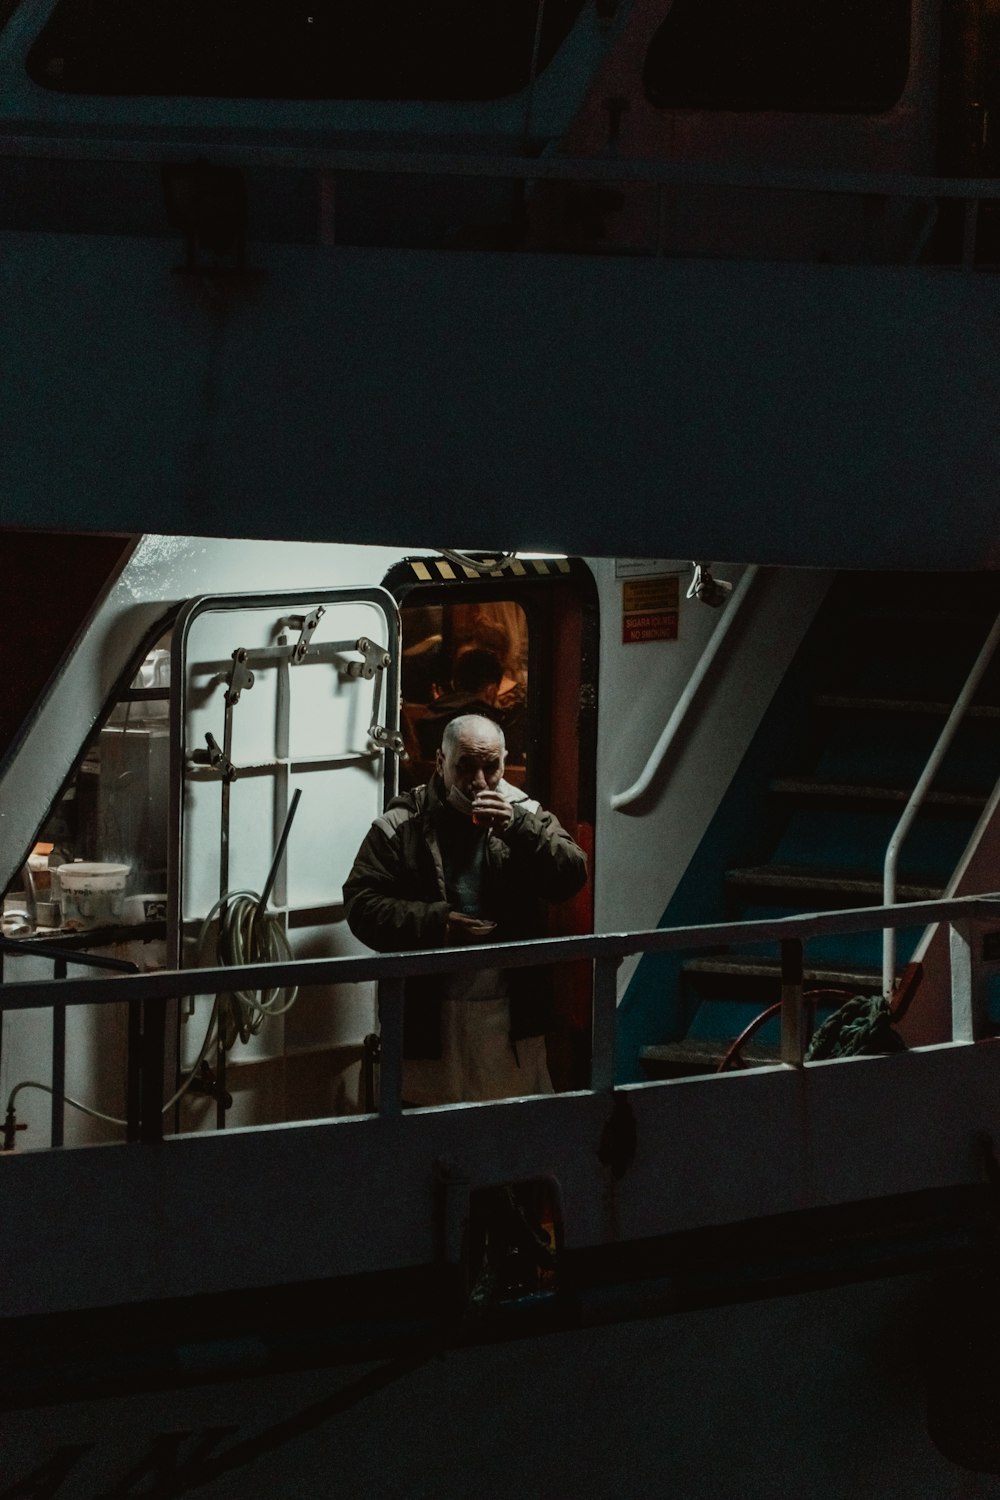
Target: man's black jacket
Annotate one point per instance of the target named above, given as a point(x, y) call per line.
point(396, 899)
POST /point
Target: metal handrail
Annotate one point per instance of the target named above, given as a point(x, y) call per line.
point(634, 795)
point(172, 984)
point(605, 950)
point(984, 822)
point(917, 796)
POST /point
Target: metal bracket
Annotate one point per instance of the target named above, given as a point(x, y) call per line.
point(305, 624)
point(376, 658)
point(387, 738)
point(241, 676)
point(207, 1083)
point(215, 758)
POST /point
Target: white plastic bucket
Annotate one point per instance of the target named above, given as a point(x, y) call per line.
point(92, 893)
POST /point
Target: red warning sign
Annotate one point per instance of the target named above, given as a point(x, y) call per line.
point(650, 609)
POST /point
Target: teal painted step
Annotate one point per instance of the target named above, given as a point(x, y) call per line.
point(837, 775)
point(725, 1020)
point(861, 950)
point(895, 751)
point(853, 838)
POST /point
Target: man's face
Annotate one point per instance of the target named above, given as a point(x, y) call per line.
point(475, 762)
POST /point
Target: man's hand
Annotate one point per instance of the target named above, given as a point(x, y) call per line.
point(490, 810)
point(463, 929)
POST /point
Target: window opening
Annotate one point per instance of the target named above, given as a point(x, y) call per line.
point(546, 620)
point(837, 56)
point(464, 658)
point(94, 884)
point(110, 817)
point(281, 49)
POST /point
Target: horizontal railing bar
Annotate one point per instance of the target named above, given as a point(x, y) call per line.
point(181, 149)
point(352, 969)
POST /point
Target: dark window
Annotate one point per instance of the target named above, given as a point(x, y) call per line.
point(840, 56)
point(287, 49)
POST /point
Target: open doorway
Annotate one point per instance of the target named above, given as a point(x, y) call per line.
point(520, 646)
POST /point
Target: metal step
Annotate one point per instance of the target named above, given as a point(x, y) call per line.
point(857, 890)
point(838, 793)
point(858, 979)
point(846, 703)
point(692, 1056)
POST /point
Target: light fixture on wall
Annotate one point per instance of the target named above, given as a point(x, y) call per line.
point(708, 590)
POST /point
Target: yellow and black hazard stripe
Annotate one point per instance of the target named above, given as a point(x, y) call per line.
point(440, 570)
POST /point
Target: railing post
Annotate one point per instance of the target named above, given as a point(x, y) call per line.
point(602, 1053)
point(792, 1009)
point(327, 208)
point(58, 1060)
point(970, 230)
point(133, 1072)
point(968, 992)
point(390, 1014)
point(154, 1034)
point(934, 760)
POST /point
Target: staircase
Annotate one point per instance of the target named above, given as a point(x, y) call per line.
point(888, 658)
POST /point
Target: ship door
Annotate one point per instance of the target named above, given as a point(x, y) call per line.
point(285, 720)
point(517, 642)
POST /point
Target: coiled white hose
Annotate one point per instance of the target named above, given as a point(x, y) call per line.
point(246, 935)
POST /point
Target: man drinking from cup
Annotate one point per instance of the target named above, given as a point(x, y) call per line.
point(467, 858)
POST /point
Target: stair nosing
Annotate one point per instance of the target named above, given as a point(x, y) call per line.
point(914, 707)
point(709, 1049)
point(792, 877)
point(807, 786)
point(749, 966)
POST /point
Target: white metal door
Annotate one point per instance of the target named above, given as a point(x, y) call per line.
point(279, 700)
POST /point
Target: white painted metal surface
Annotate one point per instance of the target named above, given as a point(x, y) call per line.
point(712, 657)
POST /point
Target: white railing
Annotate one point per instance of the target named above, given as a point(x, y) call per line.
point(918, 795)
point(710, 660)
point(966, 916)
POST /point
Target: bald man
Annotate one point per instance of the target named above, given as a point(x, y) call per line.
point(467, 858)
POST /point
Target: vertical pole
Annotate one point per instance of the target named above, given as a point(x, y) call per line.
point(58, 1059)
point(792, 1010)
point(154, 1036)
point(327, 208)
point(1, 1013)
point(390, 1014)
point(220, 1069)
point(970, 228)
point(968, 993)
point(133, 1072)
point(602, 1054)
point(283, 771)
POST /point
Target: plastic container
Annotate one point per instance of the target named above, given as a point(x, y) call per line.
point(92, 893)
point(144, 908)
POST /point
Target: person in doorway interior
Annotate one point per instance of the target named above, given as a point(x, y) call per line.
point(475, 683)
point(467, 858)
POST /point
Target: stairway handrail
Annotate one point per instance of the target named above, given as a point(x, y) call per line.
point(918, 794)
point(633, 795)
